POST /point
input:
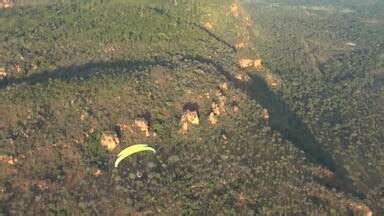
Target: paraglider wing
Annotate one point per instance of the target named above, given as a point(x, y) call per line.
point(132, 150)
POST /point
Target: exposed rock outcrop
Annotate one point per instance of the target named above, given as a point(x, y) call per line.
point(235, 106)
point(266, 116)
point(272, 80)
point(215, 109)
point(242, 77)
point(109, 49)
point(98, 173)
point(3, 73)
point(361, 209)
point(109, 141)
point(137, 127)
point(7, 3)
point(208, 25)
point(212, 118)
point(215, 112)
point(247, 63)
point(234, 10)
point(257, 63)
point(218, 105)
point(223, 86)
point(143, 126)
point(10, 160)
point(187, 119)
point(240, 45)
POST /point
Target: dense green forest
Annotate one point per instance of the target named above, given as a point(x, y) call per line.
point(299, 132)
point(331, 62)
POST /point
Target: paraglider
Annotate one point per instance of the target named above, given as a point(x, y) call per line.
point(132, 150)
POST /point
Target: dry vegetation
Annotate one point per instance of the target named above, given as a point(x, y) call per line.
point(81, 81)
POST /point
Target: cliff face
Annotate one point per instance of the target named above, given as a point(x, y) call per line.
point(185, 78)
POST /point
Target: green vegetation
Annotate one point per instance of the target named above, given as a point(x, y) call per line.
point(77, 69)
point(336, 88)
point(94, 150)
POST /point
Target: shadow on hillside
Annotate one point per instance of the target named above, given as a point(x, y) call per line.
point(293, 129)
point(288, 124)
point(85, 71)
point(283, 119)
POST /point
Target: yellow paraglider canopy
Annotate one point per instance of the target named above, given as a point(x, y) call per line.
point(132, 150)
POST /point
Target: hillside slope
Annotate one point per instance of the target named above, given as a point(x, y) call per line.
point(330, 59)
point(82, 81)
